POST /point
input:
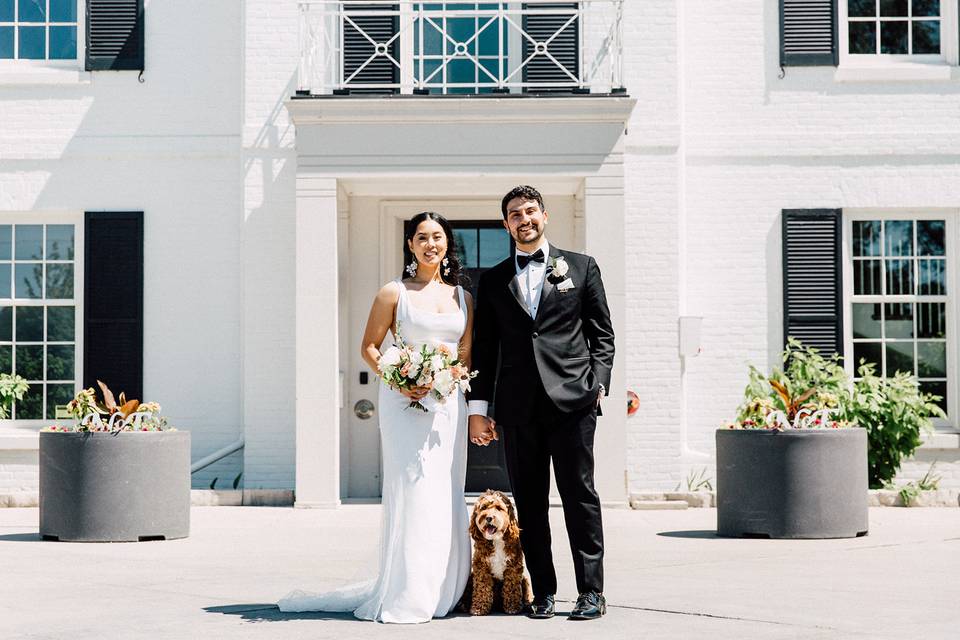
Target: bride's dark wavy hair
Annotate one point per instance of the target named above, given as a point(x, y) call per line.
point(456, 276)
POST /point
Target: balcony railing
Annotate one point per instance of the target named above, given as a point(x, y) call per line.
point(402, 46)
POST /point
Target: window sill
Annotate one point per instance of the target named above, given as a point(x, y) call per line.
point(902, 72)
point(19, 441)
point(35, 74)
point(942, 440)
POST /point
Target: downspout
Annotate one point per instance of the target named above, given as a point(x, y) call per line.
point(687, 455)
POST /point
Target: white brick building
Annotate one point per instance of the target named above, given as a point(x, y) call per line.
point(269, 220)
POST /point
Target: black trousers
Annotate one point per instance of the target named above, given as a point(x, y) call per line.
point(567, 439)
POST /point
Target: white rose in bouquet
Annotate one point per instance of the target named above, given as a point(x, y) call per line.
point(389, 359)
point(415, 356)
point(436, 363)
point(443, 382)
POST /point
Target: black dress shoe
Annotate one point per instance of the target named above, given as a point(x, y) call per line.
point(541, 607)
point(590, 605)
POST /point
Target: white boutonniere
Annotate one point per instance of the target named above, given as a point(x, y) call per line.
point(558, 267)
point(566, 285)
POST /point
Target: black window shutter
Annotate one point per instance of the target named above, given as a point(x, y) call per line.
point(565, 47)
point(812, 281)
point(357, 49)
point(808, 32)
point(113, 301)
point(115, 35)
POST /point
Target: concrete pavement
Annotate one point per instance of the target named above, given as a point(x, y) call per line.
point(668, 576)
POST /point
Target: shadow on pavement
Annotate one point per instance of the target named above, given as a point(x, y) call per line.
point(704, 533)
point(20, 537)
point(268, 612)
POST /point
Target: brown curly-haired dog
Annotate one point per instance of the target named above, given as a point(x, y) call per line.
point(497, 558)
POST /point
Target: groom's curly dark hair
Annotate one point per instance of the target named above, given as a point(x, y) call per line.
point(524, 191)
point(457, 276)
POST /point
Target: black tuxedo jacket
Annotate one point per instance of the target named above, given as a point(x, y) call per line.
point(568, 347)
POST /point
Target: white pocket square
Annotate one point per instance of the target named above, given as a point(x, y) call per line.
point(566, 285)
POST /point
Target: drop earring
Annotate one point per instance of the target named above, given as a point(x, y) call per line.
point(446, 267)
point(411, 268)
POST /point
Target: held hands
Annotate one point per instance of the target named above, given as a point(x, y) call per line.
point(482, 430)
point(414, 393)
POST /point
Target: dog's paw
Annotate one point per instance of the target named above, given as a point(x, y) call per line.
point(477, 611)
point(514, 610)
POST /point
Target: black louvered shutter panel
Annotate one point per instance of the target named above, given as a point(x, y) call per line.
point(565, 47)
point(812, 289)
point(113, 301)
point(357, 49)
point(808, 32)
point(114, 35)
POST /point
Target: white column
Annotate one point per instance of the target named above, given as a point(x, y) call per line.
point(603, 237)
point(317, 357)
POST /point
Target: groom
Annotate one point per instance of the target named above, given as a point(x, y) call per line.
point(544, 314)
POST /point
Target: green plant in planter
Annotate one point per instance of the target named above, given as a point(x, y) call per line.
point(893, 410)
point(806, 393)
point(12, 387)
point(895, 413)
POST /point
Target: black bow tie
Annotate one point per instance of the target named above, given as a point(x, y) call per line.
point(523, 261)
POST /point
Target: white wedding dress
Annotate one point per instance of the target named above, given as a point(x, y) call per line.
point(424, 558)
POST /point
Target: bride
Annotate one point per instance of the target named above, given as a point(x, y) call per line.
point(424, 556)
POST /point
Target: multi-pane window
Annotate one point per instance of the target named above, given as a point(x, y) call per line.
point(459, 43)
point(899, 307)
point(893, 27)
point(38, 29)
point(38, 314)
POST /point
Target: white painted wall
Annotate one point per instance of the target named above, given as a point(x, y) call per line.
point(717, 147)
point(169, 147)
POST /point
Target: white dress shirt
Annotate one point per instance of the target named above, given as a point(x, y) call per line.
point(530, 279)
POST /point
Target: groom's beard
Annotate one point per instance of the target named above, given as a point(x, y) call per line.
point(529, 239)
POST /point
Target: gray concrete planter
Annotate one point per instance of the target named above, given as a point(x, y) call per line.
point(125, 487)
point(792, 484)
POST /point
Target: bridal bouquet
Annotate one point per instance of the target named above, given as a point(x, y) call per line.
point(402, 366)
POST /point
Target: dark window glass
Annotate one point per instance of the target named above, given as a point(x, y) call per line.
point(926, 8)
point(863, 37)
point(60, 324)
point(861, 8)
point(898, 320)
point(63, 11)
point(57, 394)
point(899, 357)
point(33, 11)
point(29, 242)
point(893, 37)
point(29, 324)
point(866, 320)
point(866, 238)
point(29, 362)
point(6, 324)
point(5, 270)
point(930, 238)
point(893, 8)
point(6, 43)
point(926, 36)
point(31, 407)
point(869, 352)
point(63, 43)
